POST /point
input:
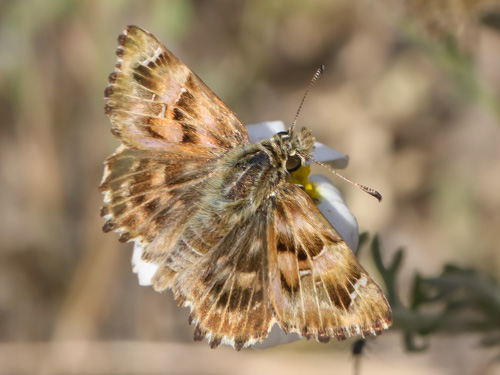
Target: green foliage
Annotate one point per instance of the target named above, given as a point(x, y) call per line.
point(457, 301)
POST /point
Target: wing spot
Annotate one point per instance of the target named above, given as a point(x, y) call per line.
point(122, 38)
point(154, 134)
point(199, 334)
point(158, 59)
point(339, 296)
point(189, 133)
point(152, 205)
point(258, 296)
point(314, 245)
point(250, 263)
point(238, 345)
point(245, 297)
point(190, 84)
point(222, 300)
point(217, 288)
point(125, 237)
point(185, 101)
point(119, 51)
point(112, 77)
point(234, 300)
point(289, 289)
point(144, 77)
point(282, 247)
point(108, 92)
point(109, 226)
point(302, 255)
point(162, 216)
point(178, 115)
point(139, 199)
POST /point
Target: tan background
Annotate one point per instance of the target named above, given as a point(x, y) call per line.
point(419, 119)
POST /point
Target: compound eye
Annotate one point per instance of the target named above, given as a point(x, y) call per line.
point(293, 163)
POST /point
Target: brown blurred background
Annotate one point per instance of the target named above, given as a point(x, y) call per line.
point(411, 92)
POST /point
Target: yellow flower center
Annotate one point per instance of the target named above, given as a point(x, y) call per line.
point(300, 177)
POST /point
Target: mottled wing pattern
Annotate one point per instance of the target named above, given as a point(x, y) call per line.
point(204, 205)
point(228, 288)
point(155, 102)
point(319, 288)
point(173, 128)
point(149, 195)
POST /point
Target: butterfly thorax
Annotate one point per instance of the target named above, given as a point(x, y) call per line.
point(245, 179)
point(252, 173)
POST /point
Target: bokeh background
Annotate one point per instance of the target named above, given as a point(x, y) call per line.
point(411, 92)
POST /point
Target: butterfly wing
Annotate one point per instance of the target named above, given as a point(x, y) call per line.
point(227, 288)
point(172, 127)
point(156, 103)
point(219, 264)
point(280, 261)
point(149, 193)
point(318, 287)
point(285, 263)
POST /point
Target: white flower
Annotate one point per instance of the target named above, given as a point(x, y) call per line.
point(144, 270)
point(328, 199)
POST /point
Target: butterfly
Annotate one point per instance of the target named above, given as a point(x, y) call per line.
point(233, 240)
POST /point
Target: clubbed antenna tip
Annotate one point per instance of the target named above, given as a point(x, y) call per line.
point(366, 189)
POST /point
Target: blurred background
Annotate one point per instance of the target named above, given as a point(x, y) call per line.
point(410, 92)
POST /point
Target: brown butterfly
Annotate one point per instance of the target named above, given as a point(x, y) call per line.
point(236, 242)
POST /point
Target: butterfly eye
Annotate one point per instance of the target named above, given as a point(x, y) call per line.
point(293, 163)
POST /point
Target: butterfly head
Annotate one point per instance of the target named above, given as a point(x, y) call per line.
point(296, 145)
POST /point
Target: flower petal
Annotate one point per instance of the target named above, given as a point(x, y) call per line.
point(328, 155)
point(264, 130)
point(333, 207)
point(144, 270)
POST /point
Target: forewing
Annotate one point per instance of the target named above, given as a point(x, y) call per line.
point(318, 287)
point(155, 102)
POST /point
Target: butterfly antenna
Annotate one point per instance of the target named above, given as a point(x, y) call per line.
point(366, 189)
point(315, 77)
